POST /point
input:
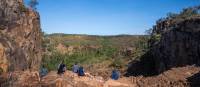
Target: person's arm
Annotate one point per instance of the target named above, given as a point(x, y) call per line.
point(65, 67)
point(118, 74)
point(58, 66)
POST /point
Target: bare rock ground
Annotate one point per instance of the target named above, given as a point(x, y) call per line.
point(175, 77)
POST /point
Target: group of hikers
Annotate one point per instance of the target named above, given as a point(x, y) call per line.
point(76, 69)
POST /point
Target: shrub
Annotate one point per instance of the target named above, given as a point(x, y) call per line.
point(22, 8)
point(118, 63)
point(156, 37)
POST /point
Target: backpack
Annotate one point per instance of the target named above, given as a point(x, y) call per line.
point(81, 71)
point(115, 75)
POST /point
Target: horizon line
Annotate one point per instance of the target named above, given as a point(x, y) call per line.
point(95, 34)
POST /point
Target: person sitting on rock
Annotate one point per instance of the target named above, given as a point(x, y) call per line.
point(115, 75)
point(43, 71)
point(61, 68)
point(75, 68)
point(81, 71)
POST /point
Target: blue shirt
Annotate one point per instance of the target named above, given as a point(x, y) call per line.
point(75, 68)
point(43, 72)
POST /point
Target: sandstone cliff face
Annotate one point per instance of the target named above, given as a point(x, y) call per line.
point(179, 44)
point(173, 43)
point(20, 36)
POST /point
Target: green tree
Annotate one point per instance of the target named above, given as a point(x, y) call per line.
point(33, 4)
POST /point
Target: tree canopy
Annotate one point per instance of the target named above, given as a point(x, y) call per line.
point(33, 4)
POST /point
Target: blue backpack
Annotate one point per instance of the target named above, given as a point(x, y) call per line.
point(115, 75)
point(81, 71)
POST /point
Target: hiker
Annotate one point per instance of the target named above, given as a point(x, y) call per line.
point(61, 68)
point(115, 75)
point(43, 71)
point(81, 71)
point(75, 68)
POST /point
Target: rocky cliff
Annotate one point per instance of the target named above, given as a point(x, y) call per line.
point(178, 45)
point(175, 42)
point(20, 36)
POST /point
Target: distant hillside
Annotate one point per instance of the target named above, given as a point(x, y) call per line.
point(82, 40)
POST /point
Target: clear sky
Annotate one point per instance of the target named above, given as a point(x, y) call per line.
point(105, 17)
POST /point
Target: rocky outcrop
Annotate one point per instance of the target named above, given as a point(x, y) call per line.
point(173, 43)
point(20, 36)
point(70, 79)
point(176, 77)
point(178, 44)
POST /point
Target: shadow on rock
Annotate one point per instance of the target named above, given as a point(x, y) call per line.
point(194, 80)
point(145, 66)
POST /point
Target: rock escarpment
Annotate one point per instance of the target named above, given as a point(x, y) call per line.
point(178, 45)
point(20, 36)
point(175, 42)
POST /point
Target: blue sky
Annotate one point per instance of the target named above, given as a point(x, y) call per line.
point(105, 17)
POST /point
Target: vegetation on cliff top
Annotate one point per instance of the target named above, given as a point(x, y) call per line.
point(171, 21)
